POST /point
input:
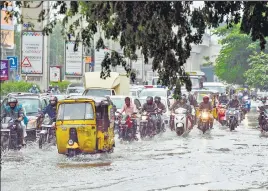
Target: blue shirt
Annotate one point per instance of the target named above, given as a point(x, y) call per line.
point(50, 110)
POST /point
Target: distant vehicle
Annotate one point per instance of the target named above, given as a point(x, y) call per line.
point(116, 84)
point(75, 88)
point(135, 92)
point(60, 96)
point(119, 101)
point(161, 92)
point(215, 86)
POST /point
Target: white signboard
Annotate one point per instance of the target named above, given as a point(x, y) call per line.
point(73, 59)
point(32, 53)
point(99, 56)
point(54, 74)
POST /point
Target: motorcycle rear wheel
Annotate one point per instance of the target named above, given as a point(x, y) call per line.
point(41, 140)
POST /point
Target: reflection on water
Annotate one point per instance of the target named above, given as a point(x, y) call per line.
point(221, 160)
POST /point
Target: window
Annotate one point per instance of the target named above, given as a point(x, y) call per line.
point(43, 104)
point(137, 103)
point(75, 111)
point(30, 105)
point(97, 92)
point(118, 102)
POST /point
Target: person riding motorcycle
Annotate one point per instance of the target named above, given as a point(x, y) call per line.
point(223, 99)
point(182, 103)
point(233, 103)
point(207, 105)
point(245, 92)
point(129, 108)
point(49, 90)
point(56, 90)
point(16, 113)
point(161, 107)
point(34, 89)
point(263, 115)
point(150, 107)
point(262, 103)
point(192, 100)
point(51, 108)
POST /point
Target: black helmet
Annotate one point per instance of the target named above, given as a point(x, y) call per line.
point(157, 99)
point(149, 100)
point(183, 99)
point(53, 100)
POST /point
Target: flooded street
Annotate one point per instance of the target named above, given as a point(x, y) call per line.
point(223, 160)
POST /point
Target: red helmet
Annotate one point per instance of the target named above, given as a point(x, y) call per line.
point(205, 98)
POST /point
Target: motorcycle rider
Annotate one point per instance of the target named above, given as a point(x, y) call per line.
point(161, 107)
point(49, 90)
point(51, 108)
point(129, 108)
point(182, 103)
point(56, 90)
point(192, 100)
point(262, 103)
point(34, 89)
point(223, 99)
point(150, 107)
point(206, 105)
point(16, 113)
point(245, 92)
point(233, 103)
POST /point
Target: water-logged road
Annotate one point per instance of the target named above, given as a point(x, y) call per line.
point(223, 160)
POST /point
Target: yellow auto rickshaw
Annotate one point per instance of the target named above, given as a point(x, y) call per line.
point(84, 125)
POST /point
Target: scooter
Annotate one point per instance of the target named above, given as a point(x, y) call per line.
point(204, 123)
point(147, 125)
point(232, 115)
point(263, 122)
point(9, 134)
point(181, 123)
point(47, 133)
point(126, 128)
point(222, 114)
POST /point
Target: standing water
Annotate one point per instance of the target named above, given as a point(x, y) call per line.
point(222, 160)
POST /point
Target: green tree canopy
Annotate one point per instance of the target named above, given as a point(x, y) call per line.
point(148, 26)
point(257, 75)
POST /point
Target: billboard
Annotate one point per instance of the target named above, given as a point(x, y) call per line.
point(99, 56)
point(54, 74)
point(4, 70)
point(32, 53)
point(73, 59)
point(7, 31)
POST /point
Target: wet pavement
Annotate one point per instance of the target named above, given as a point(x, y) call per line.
point(223, 160)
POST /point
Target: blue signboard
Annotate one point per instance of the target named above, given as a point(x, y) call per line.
point(13, 60)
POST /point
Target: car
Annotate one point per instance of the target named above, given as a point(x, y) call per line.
point(75, 89)
point(119, 101)
point(166, 116)
point(32, 105)
point(161, 92)
point(134, 92)
point(215, 86)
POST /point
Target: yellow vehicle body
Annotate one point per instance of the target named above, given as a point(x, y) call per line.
point(90, 136)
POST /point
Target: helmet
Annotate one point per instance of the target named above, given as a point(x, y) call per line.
point(264, 99)
point(53, 100)
point(235, 96)
point(157, 99)
point(149, 100)
point(183, 99)
point(206, 98)
point(12, 100)
point(34, 86)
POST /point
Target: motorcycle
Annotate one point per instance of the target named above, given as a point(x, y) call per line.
point(147, 124)
point(247, 104)
point(263, 121)
point(204, 123)
point(181, 122)
point(9, 134)
point(160, 124)
point(222, 114)
point(232, 115)
point(47, 133)
point(126, 127)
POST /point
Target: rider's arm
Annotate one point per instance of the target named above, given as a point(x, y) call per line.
point(164, 109)
point(20, 114)
point(123, 109)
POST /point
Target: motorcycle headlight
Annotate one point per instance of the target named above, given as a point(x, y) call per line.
point(70, 142)
point(144, 118)
point(204, 116)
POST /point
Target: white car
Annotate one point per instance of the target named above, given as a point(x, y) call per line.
point(166, 116)
point(161, 92)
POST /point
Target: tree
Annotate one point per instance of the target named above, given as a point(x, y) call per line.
point(257, 75)
point(148, 26)
point(231, 63)
point(207, 61)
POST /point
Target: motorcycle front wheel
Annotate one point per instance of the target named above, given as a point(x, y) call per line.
point(42, 140)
